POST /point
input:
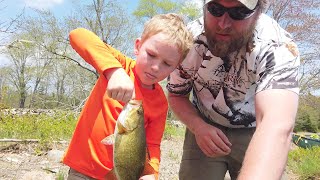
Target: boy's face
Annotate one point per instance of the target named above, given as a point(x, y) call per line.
point(156, 59)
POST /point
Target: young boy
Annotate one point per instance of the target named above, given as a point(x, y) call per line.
point(164, 43)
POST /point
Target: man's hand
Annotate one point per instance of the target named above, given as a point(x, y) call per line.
point(120, 86)
point(212, 141)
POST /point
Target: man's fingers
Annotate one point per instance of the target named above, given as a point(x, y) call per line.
point(224, 138)
point(223, 147)
point(217, 143)
point(216, 150)
point(212, 151)
point(205, 149)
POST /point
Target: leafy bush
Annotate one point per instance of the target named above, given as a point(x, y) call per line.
point(307, 119)
point(59, 126)
point(305, 162)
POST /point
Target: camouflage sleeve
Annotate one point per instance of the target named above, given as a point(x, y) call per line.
point(196, 27)
point(180, 81)
point(278, 67)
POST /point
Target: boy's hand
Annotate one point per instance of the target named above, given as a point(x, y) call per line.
point(148, 177)
point(120, 86)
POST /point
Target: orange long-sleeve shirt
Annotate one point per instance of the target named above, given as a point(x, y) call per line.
point(86, 153)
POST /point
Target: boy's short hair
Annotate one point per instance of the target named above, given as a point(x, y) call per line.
point(172, 25)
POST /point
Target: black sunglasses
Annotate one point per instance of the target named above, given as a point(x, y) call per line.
point(236, 13)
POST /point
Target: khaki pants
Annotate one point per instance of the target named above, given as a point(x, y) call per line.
point(75, 175)
point(196, 165)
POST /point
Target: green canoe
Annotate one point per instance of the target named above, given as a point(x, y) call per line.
point(304, 141)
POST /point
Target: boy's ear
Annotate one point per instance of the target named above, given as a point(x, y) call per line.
point(137, 44)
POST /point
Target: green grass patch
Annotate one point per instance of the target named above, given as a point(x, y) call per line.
point(173, 131)
point(45, 128)
point(305, 163)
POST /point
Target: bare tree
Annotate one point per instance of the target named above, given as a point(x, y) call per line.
point(19, 53)
point(1, 85)
point(302, 19)
point(8, 26)
point(41, 63)
point(109, 20)
point(57, 77)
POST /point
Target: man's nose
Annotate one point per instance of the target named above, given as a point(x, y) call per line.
point(224, 21)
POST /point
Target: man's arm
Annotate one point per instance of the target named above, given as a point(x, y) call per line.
point(210, 139)
point(267, 153)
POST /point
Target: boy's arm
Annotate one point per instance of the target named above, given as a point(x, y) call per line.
point(94, 51)
point(106, 60)
point(120, 86)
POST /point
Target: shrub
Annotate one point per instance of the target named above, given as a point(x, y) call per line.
point(305, 162)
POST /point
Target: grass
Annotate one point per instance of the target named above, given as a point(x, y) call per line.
point(60, 176)
point(173, 131)
point(59, 126)
point(305, 163)
point(44, 128)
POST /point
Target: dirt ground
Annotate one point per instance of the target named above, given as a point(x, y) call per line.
point(23, 161)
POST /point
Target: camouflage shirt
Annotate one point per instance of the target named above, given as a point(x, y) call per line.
point(223, 89)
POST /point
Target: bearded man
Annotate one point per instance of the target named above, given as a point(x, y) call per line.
point(243, 75)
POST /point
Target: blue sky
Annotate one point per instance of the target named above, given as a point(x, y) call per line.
point(9, 9)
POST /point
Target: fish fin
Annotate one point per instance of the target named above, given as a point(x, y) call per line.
point(121, 128)
point(109, 140)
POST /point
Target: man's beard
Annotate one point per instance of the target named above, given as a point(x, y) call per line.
point(224, 48)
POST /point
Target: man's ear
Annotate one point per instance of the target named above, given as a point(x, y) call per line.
point(137, 44)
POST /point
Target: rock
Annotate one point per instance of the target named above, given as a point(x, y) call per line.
point(55, 155)
point(36, 175)
point(13, 158)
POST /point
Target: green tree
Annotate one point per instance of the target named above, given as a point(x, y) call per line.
point(148, 8)
point(308, 114)
point(305, 123)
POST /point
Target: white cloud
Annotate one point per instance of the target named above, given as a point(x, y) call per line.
point(42, 4)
